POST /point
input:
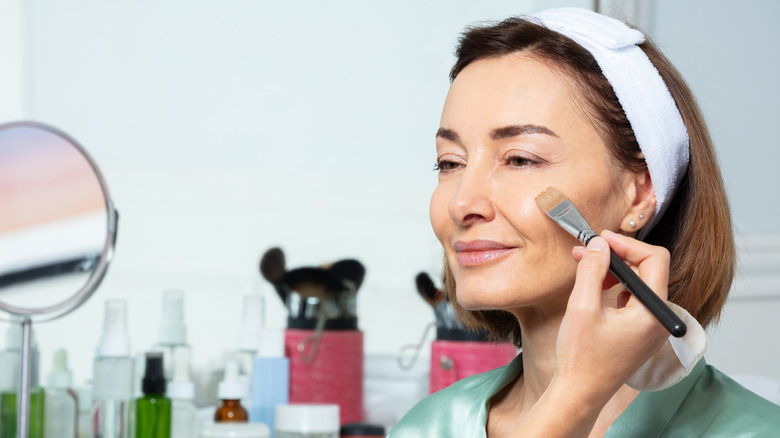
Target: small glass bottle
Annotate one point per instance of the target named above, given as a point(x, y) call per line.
point(181, 391)
point(112, 388)
point(230, 391)
point(153, 410)
point(62, 407)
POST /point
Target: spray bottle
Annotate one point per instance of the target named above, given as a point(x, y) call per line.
point(171, 333)
point(153, 410)
point(62, 411)
point(113, 379)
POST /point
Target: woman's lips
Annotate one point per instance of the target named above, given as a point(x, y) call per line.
point(477, 252)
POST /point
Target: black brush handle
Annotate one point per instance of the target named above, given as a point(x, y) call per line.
point(671, 322)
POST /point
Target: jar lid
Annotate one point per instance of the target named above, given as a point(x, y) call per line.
point(307, 417)
point(363, 429)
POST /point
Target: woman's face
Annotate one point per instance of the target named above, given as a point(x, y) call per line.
point(509, 129)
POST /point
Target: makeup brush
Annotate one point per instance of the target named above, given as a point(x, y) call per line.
point(560, 209)
point(351, 273)
point(272, 267)
point(427, 289)
point(446, 316)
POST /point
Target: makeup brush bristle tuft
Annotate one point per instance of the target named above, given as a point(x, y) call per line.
point(272, 265)
point(427, 289)
point(549, 199)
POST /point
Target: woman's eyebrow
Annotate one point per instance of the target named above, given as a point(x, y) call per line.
point(448, 134)
point(515, 130)
point(500, 133)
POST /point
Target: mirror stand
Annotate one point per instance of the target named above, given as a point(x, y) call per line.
point(25, 373)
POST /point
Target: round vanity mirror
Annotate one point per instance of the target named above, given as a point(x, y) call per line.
point(57, 222)
point(57, 234)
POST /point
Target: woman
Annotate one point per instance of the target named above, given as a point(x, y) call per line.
point(597, 112)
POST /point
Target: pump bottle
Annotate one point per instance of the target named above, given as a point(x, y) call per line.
point(171, 332)
point(230, 392)
point(153, 410)
point(113, 376)
point(62, 407)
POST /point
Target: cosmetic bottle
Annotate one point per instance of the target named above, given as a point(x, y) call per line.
point(62, 412)
point(181, 391)
point(113, 375)
point(270, 378)
point(249, 344)
point(84, 396)
point(9, 382)
point(172, 332)
point(10, 363)
point(153, 410)
point(230, 392)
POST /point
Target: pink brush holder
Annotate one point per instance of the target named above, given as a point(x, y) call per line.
point(329, 370)
point(454, 360)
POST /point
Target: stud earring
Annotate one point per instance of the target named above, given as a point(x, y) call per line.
point(641, 216)
point(632, 224)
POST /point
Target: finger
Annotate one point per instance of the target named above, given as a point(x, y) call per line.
point(609, 280)
point(591, 271)
point(651, 261)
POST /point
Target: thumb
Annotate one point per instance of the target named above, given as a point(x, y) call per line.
point(591, 271)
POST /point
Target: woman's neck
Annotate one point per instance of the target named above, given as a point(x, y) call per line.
point(539, 337)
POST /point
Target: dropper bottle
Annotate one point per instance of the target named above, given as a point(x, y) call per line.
point(153, 410)
point(113, 375)
point(181, 391)
point(230, 392)
point(62, 407)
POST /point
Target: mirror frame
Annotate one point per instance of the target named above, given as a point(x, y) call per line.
point(75, 300)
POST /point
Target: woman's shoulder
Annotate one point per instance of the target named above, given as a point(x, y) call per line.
point(717, 404)
point(457, 410)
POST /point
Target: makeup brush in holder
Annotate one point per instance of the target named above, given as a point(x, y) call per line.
point(322, 338)
point(457, 351)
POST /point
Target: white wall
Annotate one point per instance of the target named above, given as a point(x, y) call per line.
point(226, 128)
point(223, 130)
point(727, 53)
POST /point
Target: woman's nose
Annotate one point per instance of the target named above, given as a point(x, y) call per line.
point(472, 202)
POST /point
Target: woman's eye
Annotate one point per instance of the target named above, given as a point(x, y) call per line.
point(519, 161)
point(445, 166)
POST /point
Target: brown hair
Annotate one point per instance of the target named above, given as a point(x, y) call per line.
point(696, 227)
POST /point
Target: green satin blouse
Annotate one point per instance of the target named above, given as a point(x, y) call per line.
point(707, 403)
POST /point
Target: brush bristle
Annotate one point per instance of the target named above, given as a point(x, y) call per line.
point(427, 289)
point(272, 265)
point(549, 199)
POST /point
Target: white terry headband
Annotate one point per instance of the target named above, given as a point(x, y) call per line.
point(645, 98)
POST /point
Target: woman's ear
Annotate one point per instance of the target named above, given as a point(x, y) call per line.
point(641, 203)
